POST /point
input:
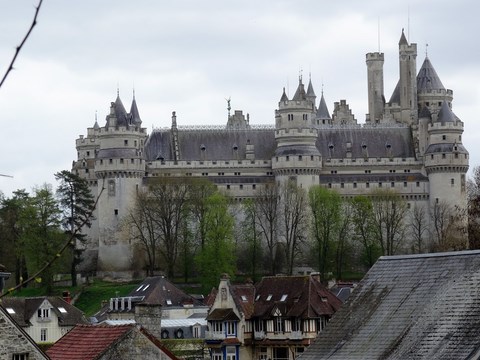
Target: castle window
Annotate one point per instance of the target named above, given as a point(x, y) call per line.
point(115, 211)
point(367, 185)
point(228, 187)
point(241, 186)
point(404, 184)
point(418, 183)
point(311, 157)
point(111, 188)
point(452, 182)
point(439, 103)
point(354, 185)
point(444, 156)
point(459, 137)
point(235, 147)
point(305, 117)
point(436, 200)
point(290, 117)
point(101, 162)
point(368, 171)
point(110, 161)
point(329, 185)
point(342, 185)
point(125, 142)
point(121, 161)
point(254, 186)
point(392, 184)
point(299, 157)
point(379, 184)
point(287, 158)
point(88, 153)
point(456, 157)
point(202, 147)
point(132, 161)
point(444, 137)
point(431, 156)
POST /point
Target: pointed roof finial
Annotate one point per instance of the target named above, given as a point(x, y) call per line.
point(426, 50)
point(300, 76)
point(118, 89)
point(133, 91)
point(228, 105)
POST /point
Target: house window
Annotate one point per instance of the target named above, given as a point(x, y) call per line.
point(278, 325)
point(43, 313)
point(217, 327)
point(23, 356)
point(196, 331)
point(230, 328)
point(231, 353)
point(111, 188)
point(296, 324)
point(217, 354)
point(43, 335)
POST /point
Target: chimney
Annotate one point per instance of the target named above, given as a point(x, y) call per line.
point(66, 297)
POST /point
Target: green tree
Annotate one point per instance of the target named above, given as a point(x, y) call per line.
point(77, 204)
point(200, 191)
point(218, 254)
point(44, 236)
point(15, 214)
point(473, 192)
point(364, 229)
point(325, 206)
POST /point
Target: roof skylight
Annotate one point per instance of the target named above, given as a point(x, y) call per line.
point(169, 302)
point(284, 297)
point(269, 297)
point(62, 310)
point(244, 298)
point(10, 311)
point(146, 287)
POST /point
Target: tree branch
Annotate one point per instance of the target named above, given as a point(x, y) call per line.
point(19, 47)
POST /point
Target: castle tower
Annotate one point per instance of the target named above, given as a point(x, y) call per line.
point(376, 96)
point(446, 159)
point(408, 81)
point(118, 166)
point(296, 156)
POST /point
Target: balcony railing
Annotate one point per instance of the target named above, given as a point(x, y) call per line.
point(295, 335)
point(214, 335)
point(259, 335)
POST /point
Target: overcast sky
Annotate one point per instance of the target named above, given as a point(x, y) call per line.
point(188, 56)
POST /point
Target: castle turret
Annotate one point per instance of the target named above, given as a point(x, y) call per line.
point(408, 81)
point(446, 159)
point(376, 97)
point(322, 116)
point(296, 155)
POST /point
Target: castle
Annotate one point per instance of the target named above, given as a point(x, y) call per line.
point(411, 143)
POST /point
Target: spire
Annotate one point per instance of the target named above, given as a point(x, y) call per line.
point(322, 112)
point(120, 112)
point(427, 78)
point(96, 126)
point(136, 120)
point(310, 91)
point(300, 93)
point(284, 96)
point(425, 113)
point(403, 39)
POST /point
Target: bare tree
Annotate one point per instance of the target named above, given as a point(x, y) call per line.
point(418, 228)
point(141, 223)
point(267, 207)
point(448, 227)
point(473, 195)
point(170, 211)
point(389, 212)
point(294, 221)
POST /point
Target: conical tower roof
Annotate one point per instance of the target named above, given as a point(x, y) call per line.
point(300, 94)
point(445, 114)
point(134, 113)
point(395, 98)
point(310, 91)
point(120, 112)
point(322, 112)
point(284, 96)
point(424, 113)
point(403, 39)
point(427, 78)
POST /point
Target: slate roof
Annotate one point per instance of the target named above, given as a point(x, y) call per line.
point(409, 307)
point(445, 114)
point(379, 142)
point(211, 144)
point(222, 315)
point(294, 296)
point(25, 308)
point(427, 78)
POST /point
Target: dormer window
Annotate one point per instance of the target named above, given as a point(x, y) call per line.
point(235, 147)
point(388, 146)
point(169, 302)
point(203, 147)
point(330, 146)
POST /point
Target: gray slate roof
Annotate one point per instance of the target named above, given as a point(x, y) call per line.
point(427, 78)
point(409, 307)
point(220, 144)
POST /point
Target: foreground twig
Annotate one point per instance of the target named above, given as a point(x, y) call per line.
point(19, 47)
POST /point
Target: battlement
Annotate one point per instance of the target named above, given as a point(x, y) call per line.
point(375, 56)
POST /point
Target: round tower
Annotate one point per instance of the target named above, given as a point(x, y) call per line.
point(446, 159)
point(376, 96)
point(296, 156)
point(119, 168)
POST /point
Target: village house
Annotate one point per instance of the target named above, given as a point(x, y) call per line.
point(45, 319)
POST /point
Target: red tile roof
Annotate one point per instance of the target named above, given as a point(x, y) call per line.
point(87, 342)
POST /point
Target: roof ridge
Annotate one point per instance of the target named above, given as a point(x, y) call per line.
point(430, 255)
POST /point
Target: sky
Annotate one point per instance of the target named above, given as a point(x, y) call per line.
point(189, 56)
